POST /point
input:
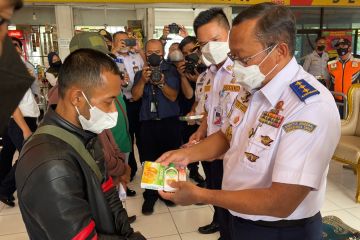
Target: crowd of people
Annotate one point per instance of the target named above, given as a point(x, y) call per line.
point(230, 99)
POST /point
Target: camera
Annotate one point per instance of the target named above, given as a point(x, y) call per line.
point(191, 63)
point(190, 67)
point(155, 76)
point(174, 28)
point(130, 42)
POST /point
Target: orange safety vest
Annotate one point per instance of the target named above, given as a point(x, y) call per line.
point(344, 74)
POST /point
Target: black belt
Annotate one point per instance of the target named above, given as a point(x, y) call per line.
point(282, 223)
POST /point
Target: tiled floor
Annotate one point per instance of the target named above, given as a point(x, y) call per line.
point(181, 223)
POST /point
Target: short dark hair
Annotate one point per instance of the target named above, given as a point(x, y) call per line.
point(186, 41)
point(276, 24)
point(83, 68)
point(320, 38)
point(17, 4)
point(18, 41)
point(212, 14)
point(118, 33)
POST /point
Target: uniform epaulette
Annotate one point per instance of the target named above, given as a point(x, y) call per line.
point(303, 89)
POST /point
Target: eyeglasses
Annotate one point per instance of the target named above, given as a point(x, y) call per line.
point(244, 61)
point(4, 20)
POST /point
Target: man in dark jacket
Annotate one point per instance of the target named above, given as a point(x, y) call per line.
point(60, 194)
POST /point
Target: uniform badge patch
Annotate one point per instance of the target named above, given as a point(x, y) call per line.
point(299, 125)
point(239, 105)
point(251, 157)
point(245, 98)
point(252, 132)
point(266, 140)
point(355, 64)
point(303, 89)
point(272, 118)
point(207, 88)
point(228, 133)
point(229, 68)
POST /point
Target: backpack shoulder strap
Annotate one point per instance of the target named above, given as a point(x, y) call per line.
point(74, 142)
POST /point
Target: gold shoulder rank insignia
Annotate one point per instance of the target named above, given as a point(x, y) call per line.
point(266, 140)
point(299, 125)
point(251, 157)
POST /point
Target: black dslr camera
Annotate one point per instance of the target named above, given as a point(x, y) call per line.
point(174, 28)
point(192, 64)
point(155, 76)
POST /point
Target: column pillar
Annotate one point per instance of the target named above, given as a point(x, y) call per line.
point(65, 29)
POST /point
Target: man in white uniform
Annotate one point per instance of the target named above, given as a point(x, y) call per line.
point(219, 91)
point(275, 167)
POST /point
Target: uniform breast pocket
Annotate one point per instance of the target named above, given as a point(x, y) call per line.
point(258, 154)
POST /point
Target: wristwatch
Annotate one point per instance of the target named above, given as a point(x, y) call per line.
point(161, 85)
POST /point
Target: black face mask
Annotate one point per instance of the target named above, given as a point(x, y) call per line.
point(193, 57)
point(154, 60)
point(56, 64)
point(321, 48)
point(342, 51)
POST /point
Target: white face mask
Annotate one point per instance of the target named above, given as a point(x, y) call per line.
point(251, 77)
point(99, 120)
point(215, 52)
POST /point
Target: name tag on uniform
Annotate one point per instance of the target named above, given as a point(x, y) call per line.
point(231, 88)
point(207, 88)
point(239, 105)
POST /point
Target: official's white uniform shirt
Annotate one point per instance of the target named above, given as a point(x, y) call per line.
point(200, 92)
point(316, 65)
point(28, 105)
point(302, 146)
point(133, 63)
point(220, 91)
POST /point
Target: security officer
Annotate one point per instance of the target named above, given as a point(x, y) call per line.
point(274, 170)
point(132, 63)
point(316, 62)
point(212, 30)
point(345, 70)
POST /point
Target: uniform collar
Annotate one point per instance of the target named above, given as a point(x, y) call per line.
point(227, 66)
point(274, 89)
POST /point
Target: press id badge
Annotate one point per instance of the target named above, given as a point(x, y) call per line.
point(153, 107)
point(217, 119)
point(136, 69)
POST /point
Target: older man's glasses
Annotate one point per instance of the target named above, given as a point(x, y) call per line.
point(245, 61)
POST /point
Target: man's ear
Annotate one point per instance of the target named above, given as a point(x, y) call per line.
point(282, 51)
point(75, 96)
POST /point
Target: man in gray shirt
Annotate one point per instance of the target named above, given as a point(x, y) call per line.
point(316, 62)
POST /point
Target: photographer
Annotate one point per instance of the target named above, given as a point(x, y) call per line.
point(189, 70)
point(157, 85)
point(130, 63)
